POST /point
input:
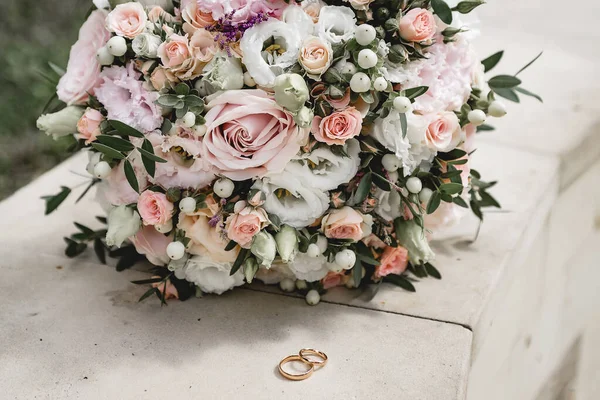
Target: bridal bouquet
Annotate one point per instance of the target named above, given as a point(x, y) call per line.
point(311, 144)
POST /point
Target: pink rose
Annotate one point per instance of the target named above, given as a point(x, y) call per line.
point(195, 18)
point(169, 290)
point(153, 244)
point(249, 135)
point(83, 71)
point(206, 237)
point(444, 132)
point(126, 100)
point(185, 58)
point(333, 279)
point(128, 19)
point(417, 25)
point(154, 208)
point(469, 131)
point(159, 79)
point(241, 10)
point(394, 260)
point(245, 223)
point(341, 103)
point(88, 125)
point(337, 127)
point(116, 189)
point(346, 223)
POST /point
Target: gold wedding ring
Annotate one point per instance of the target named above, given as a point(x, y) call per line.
point(312, 352)
point(293, 377)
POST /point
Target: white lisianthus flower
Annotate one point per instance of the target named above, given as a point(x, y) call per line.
point(295, 203)
point(287, 243)
point(324, 170)
point(61, 123)
point(412, 238)
point(295, 16)
point(224, 73)
point(123, 222)
point(310, 269)
point(264, 248)
point(210, 276)
point(282, 42)
point(336, 24)
point(411, 149)
point(146, 45)
point(388, 204)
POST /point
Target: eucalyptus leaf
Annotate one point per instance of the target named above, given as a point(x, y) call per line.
point(415, 92)
point(364, 187)
point(492, 61)
point(108, 151)
point(52, 202)
point(130, 175)
point(442, 10)
point(400, 281)
point(149, 164)
point(125, 129)
point(434, 202)
point(115, 142)
point(504, 82)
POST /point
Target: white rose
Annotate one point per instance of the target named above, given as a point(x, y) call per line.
point(61, 123)
point(336, 24)
point(282, 42)
point(310, 269)
point(388, 204)
point(295, 203)
point(210, 276)
point(324, 170)
point(411, 149)
point(146, 45)
point(224, 73)
point(123, 222)
point(315, 56)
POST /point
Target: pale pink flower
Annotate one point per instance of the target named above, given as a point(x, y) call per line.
point(341, 103)
point(245, 223)
point(394, 260)
point(157, 12)
point(444, 132)
point(88, 125)
point(249, 135)
point(184, 58)
point(337, 127)
point(128, 19)
point(154, 208)
point(126, 100)
point(83, 70)
point(153, 244)
point(417, 25)
point(333, 279)
point(346, 223)
point(206, 240)
point(117, 190)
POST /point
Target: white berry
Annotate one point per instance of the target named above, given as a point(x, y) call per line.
point(348, 68)
point(223, 187)
point(101, 170)
point(380, 84)
point(402, 104)
point(301, 284)
point(322, 243)
point(313, 297)
point(287, 285)
point(414, 185)
point(345, 259)
point(249, 80)
point(390, 162)
point(476, 117)
point(189, 119)
point(394, 176)
point(313, 250)
point(104, 57)
point(200, 130)
point(425, 195)
point(117, 46)
point(497, 109)
point(165, 228)
point(367, 58)
point(175, 250)
point(365, 34)
point(187, 205)
point(360, 82)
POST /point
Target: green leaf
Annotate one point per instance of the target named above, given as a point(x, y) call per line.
point(100, 250)
point(148, 164)
point(182, 89)
point(508, 94)
point(432, 271)
point(487, 200)
point(381, 182)
point(149, 293)
point(368, 97)
point(84, 229)
point(108, 151)
point(459, 201)
point(364, 187)
point(239, 261)
point(452, 155)
point(403, 124)
point(504, 82)
point(434, 202)
point(87, 189)
point(357, 272)
point(115, 142)
point(74, 248)
point(231, 245)
point(130, 175)
point(485, 127)
point(125, 129)
point(415, 92)
point(492, 61)
point(442, 10)
point(451, 188)
point(150, 155)
point(529, 63)
point(147, 281)
point(52, 202)
point(168, 100)
point(465, 7)
point(528, 93)
point(400, 281)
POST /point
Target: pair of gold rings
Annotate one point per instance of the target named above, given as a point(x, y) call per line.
point(302, 356)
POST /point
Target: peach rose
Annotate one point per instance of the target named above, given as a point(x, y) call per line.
point(444, 132)
point(169, 290)
point(185, 58)
point(128, 19)
point(206, 237)
point(195, 18)
point(346, 223)
point(373, 241)
point(88, 125)
point(417, 25)
point(83, 70)
point(153, 244)
point(394, 260)
point(159, 78)
point(315, 56)
point(333, 279)
point(337, 127)
point(154, 208)
point(341, 103)
point(245, 223)
point(362, 5)
point(157, 12)
point(312, 8)
point(204, 46)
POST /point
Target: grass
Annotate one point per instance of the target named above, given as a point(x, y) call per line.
point(33, 33)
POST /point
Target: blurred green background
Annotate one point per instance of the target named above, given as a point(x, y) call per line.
point(33, 33)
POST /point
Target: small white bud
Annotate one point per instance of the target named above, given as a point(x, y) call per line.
point(366, 58)
point(175, 250)
point(200, 130)
point(360, 82)
point(345, 259)
point(394, 176)
point(104, 57)
point(301, 284)
point(390, 162)
point(322, 243)
point(313, 297)
point(414, 185)
point(249, 80)
point(476, 117)
point(117, 46)
point(313, 250)
point(380, 84)
point(402, 104)
point(187, 205)
point(101, 170)
point(497, 109)
point(287, 285)
point(189, 119)
point(165, 228)
point(223, 187)
point(425, 194)
point(348, 68)
point(365, 34)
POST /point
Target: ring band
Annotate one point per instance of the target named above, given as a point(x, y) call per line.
point(312, 352)
point(293, 377)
